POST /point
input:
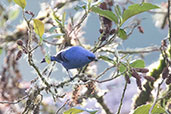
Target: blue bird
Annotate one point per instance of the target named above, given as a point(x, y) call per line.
point(73, 57)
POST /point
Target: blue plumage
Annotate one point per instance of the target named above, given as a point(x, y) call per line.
point(74, 57)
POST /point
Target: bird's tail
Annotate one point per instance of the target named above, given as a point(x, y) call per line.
point(52, 58)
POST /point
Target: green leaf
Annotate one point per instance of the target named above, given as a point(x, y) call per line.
point(88, 4)
point(106, 13)
point(122, 34)
point(118, 10)
point(73, 111)
point(21, 3)
point(122, 68)
point(92, 112)
point(41, 40)
point(138, 64)
point(38, 27)
point(144, 109)
point(47, 59)
point(78, 110)
point(137, 9)
point(118, 13)
point(63, 18)
point(57, 19)
point(105, 58)
point(1, 49)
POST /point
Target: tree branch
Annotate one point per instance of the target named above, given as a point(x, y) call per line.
point(157, 95)
point(15, 102)
point(121, 101)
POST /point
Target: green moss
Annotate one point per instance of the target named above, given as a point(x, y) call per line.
point(166, 97)
point(145, 96)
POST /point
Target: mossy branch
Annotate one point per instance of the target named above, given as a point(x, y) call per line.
point(145, 95)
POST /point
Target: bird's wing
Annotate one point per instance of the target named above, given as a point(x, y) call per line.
point(74, 53)
point(61, 58)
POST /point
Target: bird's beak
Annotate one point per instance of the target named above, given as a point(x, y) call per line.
point(95, 59)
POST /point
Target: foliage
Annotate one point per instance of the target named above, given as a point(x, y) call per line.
point(39, 28)
point(54, 28)
point(106, 13)
point(77, 110)
point(21, 3)
point(137, 9)
point(144, 109)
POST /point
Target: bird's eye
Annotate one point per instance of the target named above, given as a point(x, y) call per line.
point(91, 58)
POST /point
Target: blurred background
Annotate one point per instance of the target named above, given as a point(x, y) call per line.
point(152, 36)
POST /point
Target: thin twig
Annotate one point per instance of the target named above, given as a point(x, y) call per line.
point(105, 80)
point(100, 100)
point(156, 98)
point(34, 80)
point(101, 44)
point(57, 112)
point(136, 51)
point(15, 102)
point(104, 72)
point(50, 72)
point(139, 51)
point(34, 48)
point(51, 43)
point(29, 48)
point(113, 77)
point(79, 24)
point(121, 101)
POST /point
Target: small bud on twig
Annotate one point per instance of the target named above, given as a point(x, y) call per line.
point(108, 23)
point(149, 78)
point(30, 13)
point(103, 6)
point(135, 74)
point(20, 42)
point(127, 79)
point(25, 50)
point(142, 70)
point(3, 77)
point(141, 30)
point(164, 43)
point(19, 54)
point(168, 80)
point(112, 31)
point(101, 31)
point(103, 38)
point(138, 81)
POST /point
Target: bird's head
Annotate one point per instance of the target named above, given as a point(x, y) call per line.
point(92, 58)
